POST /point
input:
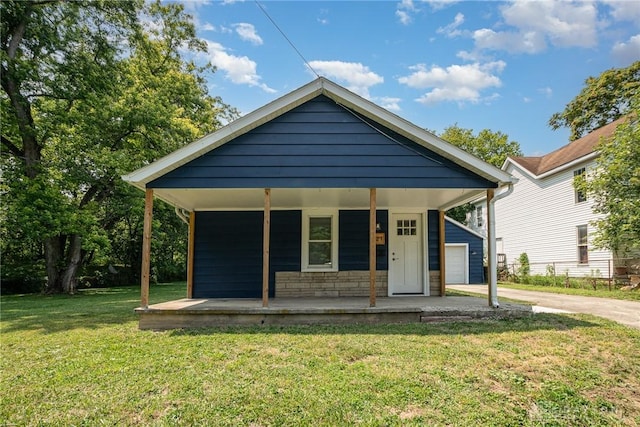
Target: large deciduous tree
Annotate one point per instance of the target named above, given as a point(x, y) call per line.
point(492, 147)
point(91, 90)
point(614, 187)
point(602, 100)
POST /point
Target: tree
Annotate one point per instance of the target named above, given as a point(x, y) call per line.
point(89, 93)
point(492, 147)
point(602, 100)
point(614, 186)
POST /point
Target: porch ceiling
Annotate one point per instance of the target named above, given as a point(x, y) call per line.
point(294, 198)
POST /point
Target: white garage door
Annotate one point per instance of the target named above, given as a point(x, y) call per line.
point(456, 264)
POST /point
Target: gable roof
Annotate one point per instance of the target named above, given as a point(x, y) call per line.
point(576, 151)
point(321, 86)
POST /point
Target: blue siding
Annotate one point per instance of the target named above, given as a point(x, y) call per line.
point(456, 234)
point(353, 249)
point(228, 249)
point(320, 145)
point(228, 255)
point(285, 244)
point(433, 240)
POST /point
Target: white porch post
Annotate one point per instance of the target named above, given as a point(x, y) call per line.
point(492, 293)
point(372, 247)
point(190, 253)
point(442, 253)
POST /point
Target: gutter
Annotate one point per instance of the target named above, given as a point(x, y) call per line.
point(493, 267)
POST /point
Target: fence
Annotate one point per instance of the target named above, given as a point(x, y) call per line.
point(568, 273)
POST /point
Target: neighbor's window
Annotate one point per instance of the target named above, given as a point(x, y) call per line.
point(319, 250)
point(583, 249)
point(479, 216)
point(579, 195)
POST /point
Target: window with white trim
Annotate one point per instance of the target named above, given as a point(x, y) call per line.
point(580, 196)
point(583, 247)
point(479, 216)
point(320, 241)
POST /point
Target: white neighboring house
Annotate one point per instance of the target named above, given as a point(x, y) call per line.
point(545, 217)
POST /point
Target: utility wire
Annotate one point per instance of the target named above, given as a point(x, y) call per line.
point(285, 37)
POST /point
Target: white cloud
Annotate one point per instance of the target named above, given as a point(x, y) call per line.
point(404, 10)
point(239, 69)
point(403, 17)
point(546, 91)
point(461, 83)
point(469, 56)
point(440, 4)
point(451, 30)
point(206, 26)
point(625, 10)
point(533, 24)
point(629, 52)
point(247, 32)
point(513, 42)
point(389, 103)
point(564, 23)
point(358, 77)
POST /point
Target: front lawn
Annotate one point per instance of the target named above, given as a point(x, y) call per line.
point(81, 360)
point(601, 291)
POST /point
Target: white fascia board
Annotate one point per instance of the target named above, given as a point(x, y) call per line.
point(465, 198)
point(240, 126)
point(553, 171)
point(464, 227)
point(417, 134)
point(569, 165)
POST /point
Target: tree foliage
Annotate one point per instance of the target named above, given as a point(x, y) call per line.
point(614, 187)
point(492, 147)
point(91, 90)
point(602, 100)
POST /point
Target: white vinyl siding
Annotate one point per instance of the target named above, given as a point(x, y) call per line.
point(540, 218)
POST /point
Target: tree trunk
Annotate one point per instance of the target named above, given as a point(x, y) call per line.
point(53, 251)
point(63, 256)
point(74, 256)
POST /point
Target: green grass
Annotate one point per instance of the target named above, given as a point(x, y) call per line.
point(600, 292)
point(81, 360)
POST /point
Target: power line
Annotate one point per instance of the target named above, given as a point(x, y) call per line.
point(286, 38)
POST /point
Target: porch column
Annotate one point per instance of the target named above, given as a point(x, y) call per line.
point(372, 247)
point(146, 248)
point(442, 253)
point(265, 247)
point(492, 268)
point(191, 253)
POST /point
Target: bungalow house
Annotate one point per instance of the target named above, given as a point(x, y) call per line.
point(319, 193)
point(545, 216)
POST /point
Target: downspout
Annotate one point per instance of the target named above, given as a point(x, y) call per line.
point(493, 262)
point(182, 214)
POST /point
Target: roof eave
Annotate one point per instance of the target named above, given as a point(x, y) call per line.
point(555, 170)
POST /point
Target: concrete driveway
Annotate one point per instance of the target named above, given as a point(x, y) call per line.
point(625, 312)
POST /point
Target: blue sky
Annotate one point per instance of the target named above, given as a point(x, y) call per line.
point(504, 66)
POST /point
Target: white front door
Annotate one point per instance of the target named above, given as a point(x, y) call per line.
point(455, 256)
point(405, 254)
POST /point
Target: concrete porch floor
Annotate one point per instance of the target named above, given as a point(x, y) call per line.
point(196, 313)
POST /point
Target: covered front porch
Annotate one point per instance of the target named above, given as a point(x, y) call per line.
point(319, 193)
point(205, 312)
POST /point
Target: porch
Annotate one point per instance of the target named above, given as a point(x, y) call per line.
point(198, 313)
